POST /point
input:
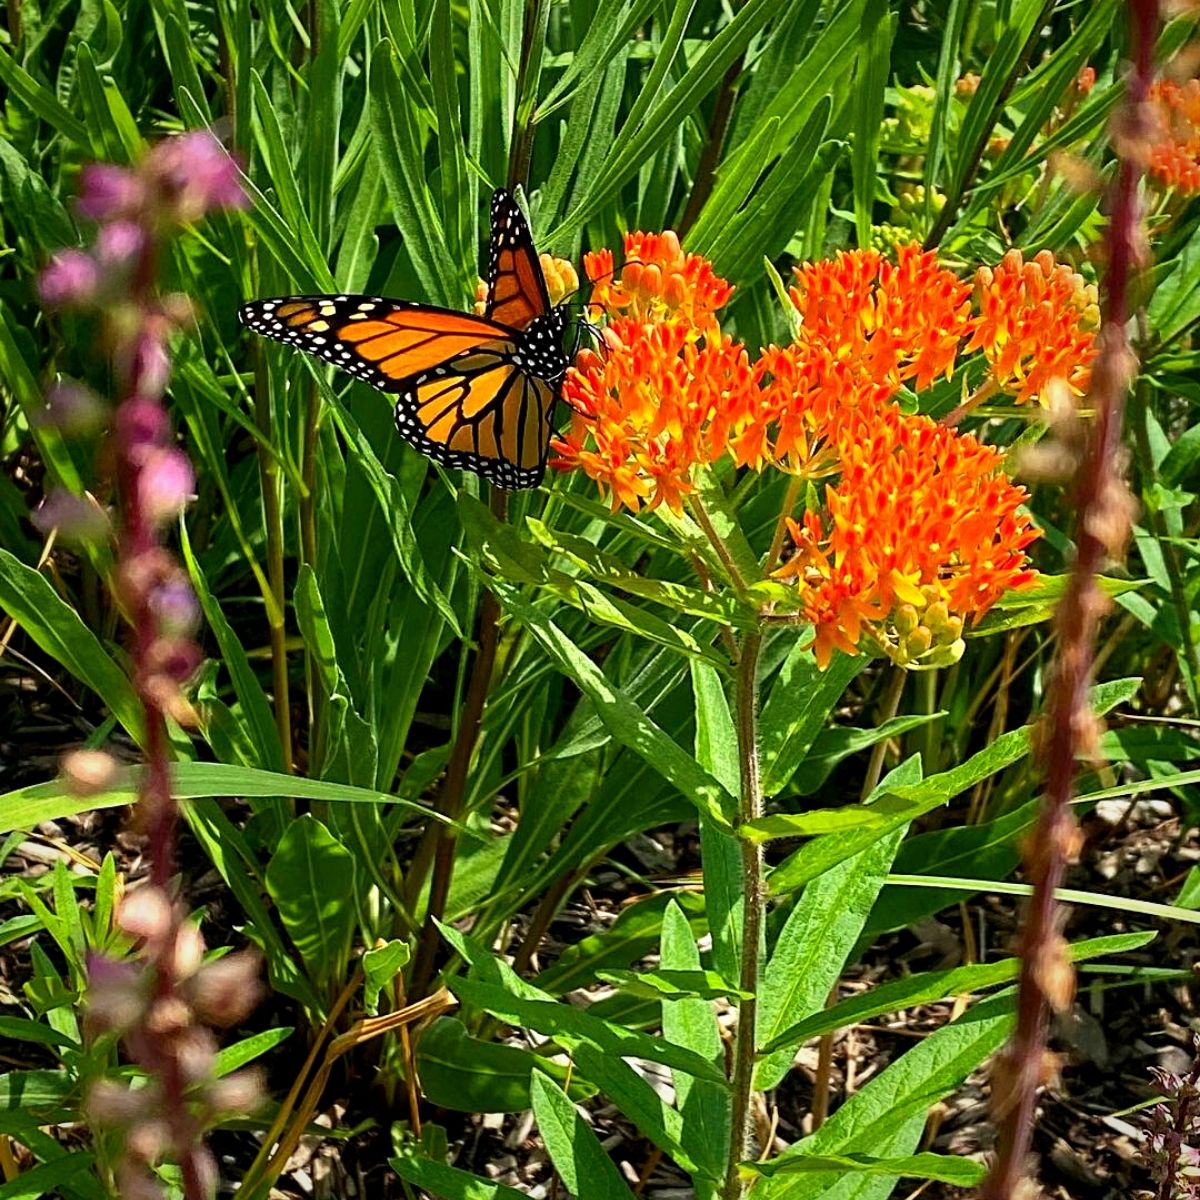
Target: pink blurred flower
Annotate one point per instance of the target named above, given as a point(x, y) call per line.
point(197, 174)
point(107, 192)
point(70, 277)
point(73, 408)
point(119, 243)
point(76, 518)
point(166, 483)
point(174, 604)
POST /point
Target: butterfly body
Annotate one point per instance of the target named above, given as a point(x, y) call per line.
point(474, 392)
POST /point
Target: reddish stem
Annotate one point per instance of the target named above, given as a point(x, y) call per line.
point(1102, 516)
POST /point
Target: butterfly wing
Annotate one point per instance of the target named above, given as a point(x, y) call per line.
point(516, 284)
point(382, 342)
point(481, 411)
point(468, 391)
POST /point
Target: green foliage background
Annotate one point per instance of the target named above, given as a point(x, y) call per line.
point(339, 568)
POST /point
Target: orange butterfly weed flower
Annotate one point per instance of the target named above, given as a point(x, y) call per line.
point(647, 407)
point(1175, 153)
point(921, 534)
point(896, 321)
point(1037, 323)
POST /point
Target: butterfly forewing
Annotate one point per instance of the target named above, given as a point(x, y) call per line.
point(516, 285)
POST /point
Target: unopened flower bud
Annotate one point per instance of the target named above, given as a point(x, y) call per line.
point(118, 244)
point(238, 1094)
point(70, 278)
point(189, 951)
point(166, 484)
point(76, 518)
point(174, 604)
point(225, 992)
point(89, 772)
point(906, 619)
point(141, 423)
point(135, 1182)
point(72, 408)
point(196, 175)
point(148, 1140)
point(116, 994)
point(110, 1102)
point(145, 913)
point(918, 642)
point(168, 1017)
point(196, 1049)
point(108, 192)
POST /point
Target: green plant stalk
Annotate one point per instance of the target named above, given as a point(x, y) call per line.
point(1179, 596)
point(753, 906)
point(268, 473)
point(308, 548)
point(533, 41)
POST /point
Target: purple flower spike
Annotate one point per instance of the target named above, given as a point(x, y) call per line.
point(119, 243)
point(166, 484)
point(198, 174)
point(107, 192)
point(71, 277)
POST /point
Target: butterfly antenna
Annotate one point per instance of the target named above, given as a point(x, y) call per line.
point(630, 262)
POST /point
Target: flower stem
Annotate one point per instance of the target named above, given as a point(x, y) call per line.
point(1103, 507)
point(753, 904)
point(718, 544)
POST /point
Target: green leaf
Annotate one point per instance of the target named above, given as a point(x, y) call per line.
point(29, 806)
point(42, 102)
point(380, 966)
point(54, 626)
point(870, 83)
point(46, 1178)
point(21, 1029)
point(633, 147)
point(438, 1179)
point(622, 718)
point(674, 985)
point(586, 1170)
point(569, 1026)
point(818, 936)
point(945, 1168)
point(886, 1119)
point(1175, 304)
point(309, 879)
point(810, 824)
point(231, 1058)
point(466, 1074)
point(930, 986)
point(255, 707)
point(705, 1108)
point(796, 709)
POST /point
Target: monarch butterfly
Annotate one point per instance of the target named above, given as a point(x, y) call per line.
point(471, 392)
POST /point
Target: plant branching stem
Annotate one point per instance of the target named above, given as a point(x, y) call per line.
point(1102, 507)
point(753, 903)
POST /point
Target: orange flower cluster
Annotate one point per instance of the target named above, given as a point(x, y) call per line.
point(921, 533)
point(647, 409)
point(920, 530)
point(1037, 322)
point(1175, 154)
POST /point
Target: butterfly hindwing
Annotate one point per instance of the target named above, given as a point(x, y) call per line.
point(517, 292)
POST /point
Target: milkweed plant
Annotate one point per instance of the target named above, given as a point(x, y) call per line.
point(574, 838)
